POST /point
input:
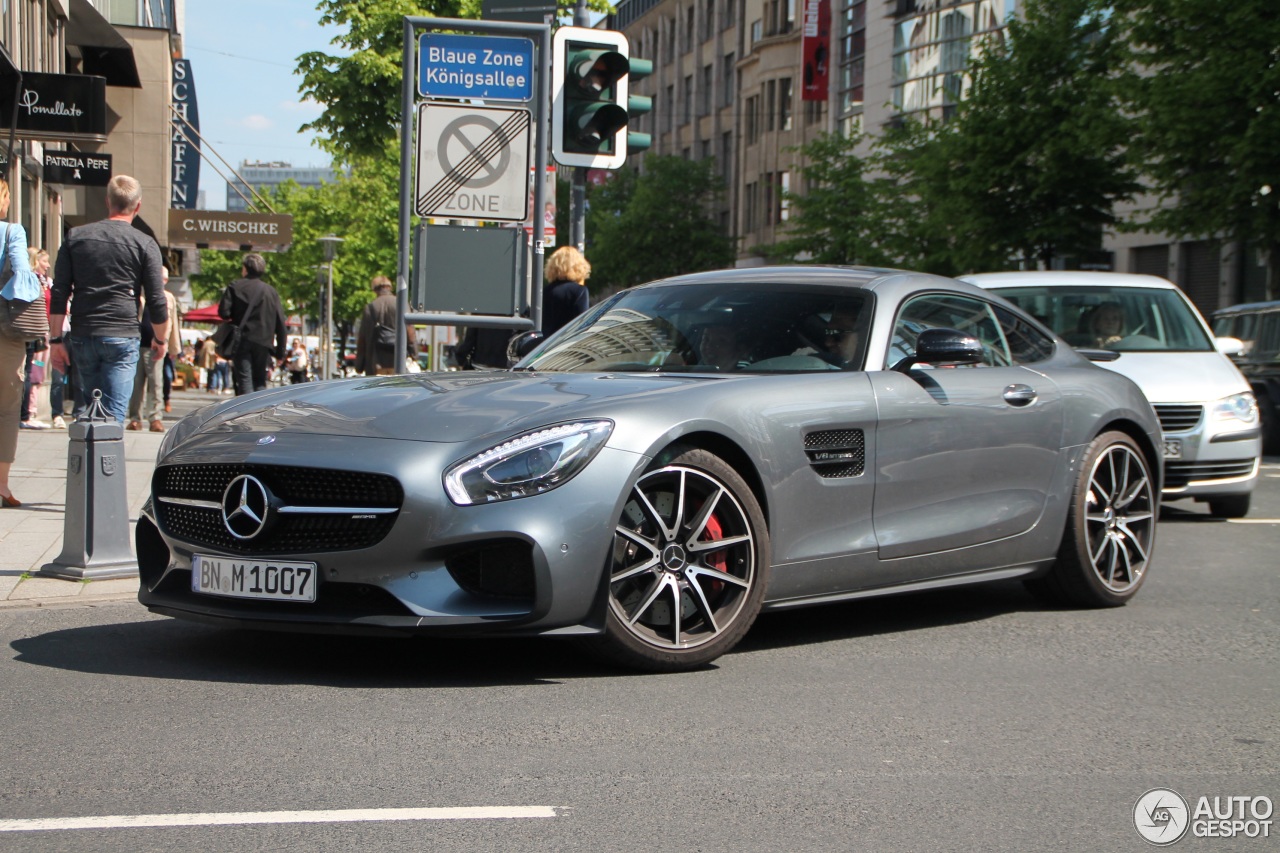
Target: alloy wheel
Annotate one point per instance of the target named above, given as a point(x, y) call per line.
point(1119, 518)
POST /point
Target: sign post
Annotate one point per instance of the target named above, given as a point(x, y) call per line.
point(472, 159)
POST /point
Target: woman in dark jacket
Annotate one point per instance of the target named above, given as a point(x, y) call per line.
point(564, 292)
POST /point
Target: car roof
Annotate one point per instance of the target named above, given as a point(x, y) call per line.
point(1249, 307)
point(867, 278)
point(1066, 278)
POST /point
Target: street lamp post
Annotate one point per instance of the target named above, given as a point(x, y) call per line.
point(330, 243)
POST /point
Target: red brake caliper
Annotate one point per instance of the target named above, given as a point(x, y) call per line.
point(716, 559)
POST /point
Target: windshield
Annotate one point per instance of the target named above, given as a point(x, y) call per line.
point(715, 328)
point(1124, 319)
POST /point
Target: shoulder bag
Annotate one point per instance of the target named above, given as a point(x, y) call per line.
point(21, 320)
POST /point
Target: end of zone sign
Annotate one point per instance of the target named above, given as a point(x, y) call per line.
point(487, 67)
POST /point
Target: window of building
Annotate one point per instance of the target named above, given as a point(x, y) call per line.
point(688, 28)
point(753, 123)
point(784, 203)
point(704, 152)
point(931, 51)
point(686, 154)
point(784, 103)
point(726, 94)
point(770, 100)
point(670, 105)
point(709, 20)
point(853, 50)
point(749, 206)
point(708, 75)
point(757, 31)
point(767, 208)
point(671, 39)
point(688, 100)
point(813, 111)
point(730, 14)
point(726, 156)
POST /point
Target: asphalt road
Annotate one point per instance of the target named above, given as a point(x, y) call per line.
point(967, 720)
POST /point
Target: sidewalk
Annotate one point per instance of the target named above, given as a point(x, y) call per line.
point(31, 535)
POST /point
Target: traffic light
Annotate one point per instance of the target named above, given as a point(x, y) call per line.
point(589, 98)
point(638, 105)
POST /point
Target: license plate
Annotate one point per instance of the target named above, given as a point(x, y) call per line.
point(1173, 448)
point(266, 579)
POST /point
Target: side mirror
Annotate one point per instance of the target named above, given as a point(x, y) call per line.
point(1230, 347)
point(943, 347)
point(523, 344)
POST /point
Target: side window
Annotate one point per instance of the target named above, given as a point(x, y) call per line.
point(1027, 344)
point(946, 311)
point(1267, 347)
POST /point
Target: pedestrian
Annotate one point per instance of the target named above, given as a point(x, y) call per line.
point(206, 359)
point(22, 285)
point(36, 368)
point(564, 289)
point(483, 349)
point(376, 338)
point(253, 306)
point(148, 380)
point(106, 266)
point(297, 362)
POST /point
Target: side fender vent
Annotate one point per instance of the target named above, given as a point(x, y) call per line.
point(837, 453)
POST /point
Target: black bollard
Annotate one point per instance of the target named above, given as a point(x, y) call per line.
point(95, 532)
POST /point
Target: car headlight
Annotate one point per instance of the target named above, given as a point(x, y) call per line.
point(1237, 407)
point(529, 464)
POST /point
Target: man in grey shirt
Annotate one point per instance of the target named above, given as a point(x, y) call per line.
point(106, 266)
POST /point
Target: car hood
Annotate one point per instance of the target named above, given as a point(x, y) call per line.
point(442, 407)
point(1180, 377)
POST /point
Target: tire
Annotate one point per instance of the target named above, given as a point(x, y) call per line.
point(663, 553)
point(1270, 422)
point(1230, 506)
point(1110, 531)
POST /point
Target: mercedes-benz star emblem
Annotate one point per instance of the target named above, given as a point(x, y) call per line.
point(245, 507)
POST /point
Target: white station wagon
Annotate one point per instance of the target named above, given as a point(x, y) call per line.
point(1145, 328)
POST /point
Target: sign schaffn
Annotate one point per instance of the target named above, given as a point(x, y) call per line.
point(59, 107)
point(77, 168)
point(473, 162)
point(184, 136)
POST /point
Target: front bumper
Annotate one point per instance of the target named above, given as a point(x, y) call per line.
point(1217, 459)
point(532, 565)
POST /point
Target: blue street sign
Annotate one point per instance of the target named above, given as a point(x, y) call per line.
point(489, 67)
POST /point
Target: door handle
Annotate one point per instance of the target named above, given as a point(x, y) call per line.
point(1020, 395)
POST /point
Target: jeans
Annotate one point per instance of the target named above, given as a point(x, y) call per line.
point(107, 365)
point(57, 392)
point(250, 367)
point(146, 402)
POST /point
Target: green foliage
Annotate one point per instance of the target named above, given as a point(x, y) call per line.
point(659, 223)
point(1206, 89)
point(360, 84)
point(361, 207)
point(1028, 169)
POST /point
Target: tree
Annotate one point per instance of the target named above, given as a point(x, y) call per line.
point(644, 226)
point(1036, 155)
point(360, 85)
point(1206, 90)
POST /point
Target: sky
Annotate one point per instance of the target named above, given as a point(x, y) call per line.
point(243, 54)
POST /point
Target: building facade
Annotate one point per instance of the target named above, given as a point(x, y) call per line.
point(107, 61)
point(264, 177)
point(729, 84)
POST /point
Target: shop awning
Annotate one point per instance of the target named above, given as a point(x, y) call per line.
point(105, 52)
point(207, 314)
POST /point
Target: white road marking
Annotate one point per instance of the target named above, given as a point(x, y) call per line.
point(1253, 520)
point(241, 818)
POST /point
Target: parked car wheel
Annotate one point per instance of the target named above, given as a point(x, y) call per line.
point(1110, 530)
point(1230, 506)
point(688, 569)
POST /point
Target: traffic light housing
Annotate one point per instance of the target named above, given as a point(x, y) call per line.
point(638, 105)
point(589, 106)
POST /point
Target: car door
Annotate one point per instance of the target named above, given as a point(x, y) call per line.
point(964, 455)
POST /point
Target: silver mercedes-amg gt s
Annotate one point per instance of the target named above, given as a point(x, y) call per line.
point(680, 457)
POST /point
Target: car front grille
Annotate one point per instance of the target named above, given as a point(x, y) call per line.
point(1177, 417)
point(836, 453)
point(1179, 474)
point(188, 507)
